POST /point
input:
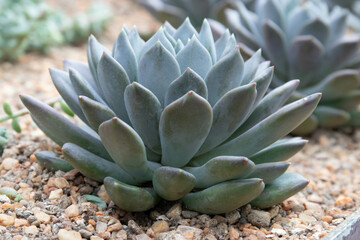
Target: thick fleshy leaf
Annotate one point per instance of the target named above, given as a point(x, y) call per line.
point(250, 67)
point(336, 85)
point(268, 172)
point(221, 169)
point(95, 51)
point(169, 28)
point(354, 119)
point(207, 40)
point(341, 54)
point(242, 33)
point(270, 10)
point(95, 112)
point(306, 127)
point(224, 197)
point(195, 56)
point(126, 148)
point(94, 167)
point(124, 54)
point(316, 28)
point(268, 105)
point(136, 41)
point(144, 111)
point(130, 198)
point(228, 114)
point(298, 15)
point(338, 26)
point(188, 81)
point(306, 55)
point(81, 87)
point(275, 45)
point(225, 75)
point(267, 131)
point(113, 80)
point(164, 11)
point(330, 117)
point(280, 189)
point(262, 79)
point(349, 102)
point(61, 129)
point(184, 125)
point(83, 69)
point(63, 85)
point(172, 183)
point(185, 31)
point(51, 162)
point(221, 43)
point(179, 45)
point(158, 37)
point(157, 69)
point(281, 150)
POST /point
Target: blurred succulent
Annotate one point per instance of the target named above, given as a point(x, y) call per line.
point(353, 6)
point(175, 11)
point(177, 117)
point(3, 139)
point(306, 42)
point(33, 25)
point(14, 116)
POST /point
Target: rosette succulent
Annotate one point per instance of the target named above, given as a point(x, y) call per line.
point(175, 11)
point(178, 117)
point(306, 42)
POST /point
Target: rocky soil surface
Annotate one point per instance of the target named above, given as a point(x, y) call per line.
point(52, 206)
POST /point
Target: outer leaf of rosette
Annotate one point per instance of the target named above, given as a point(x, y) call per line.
point(126, 148)
point(224, 197)
point(172, 183)
point(280, 189)
point(130, 198)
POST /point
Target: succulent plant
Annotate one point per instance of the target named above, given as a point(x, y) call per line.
point(33, 25)
point(177, 117)
point(353, 6)
point(175, 11)
point(306, 42)
point(3, 139)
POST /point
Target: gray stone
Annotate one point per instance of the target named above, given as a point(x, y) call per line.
point(85, 234)
point(232, 217)
point(189, 214)
point(259, 218)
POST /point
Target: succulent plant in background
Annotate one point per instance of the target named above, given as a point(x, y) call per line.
point(306, 42)
point(175, 11)
point(353, 6)
point(178, 117)
point(3, 139)
point(27, 25)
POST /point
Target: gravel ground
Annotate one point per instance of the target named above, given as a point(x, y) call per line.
point(52, 206)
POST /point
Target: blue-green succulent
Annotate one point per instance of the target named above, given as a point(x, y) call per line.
point(175, 11)
point(306, 41)
point(177, 117)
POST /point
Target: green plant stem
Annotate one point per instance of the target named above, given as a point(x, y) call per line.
point(24, 111)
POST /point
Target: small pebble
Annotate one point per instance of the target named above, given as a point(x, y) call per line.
point(6, 220)
point(72, 211)
point(160, 226)
point(32, 230)
point(69, 235)
point(259, 218)
point(56, 194)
